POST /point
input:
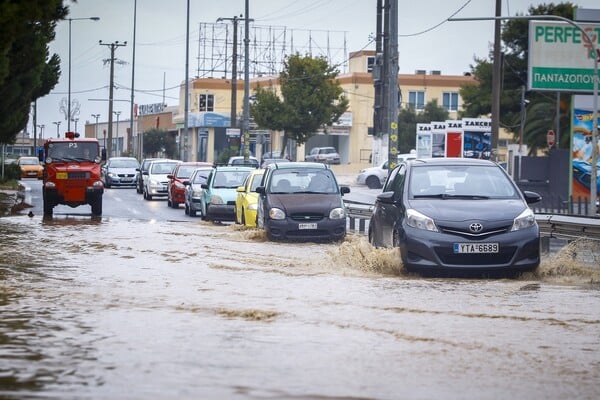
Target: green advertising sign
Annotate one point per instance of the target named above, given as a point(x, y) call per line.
point(561, 57)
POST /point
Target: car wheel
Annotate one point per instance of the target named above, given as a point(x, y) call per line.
point(187, 209)
point(373, 182)
point(372, 238)
point(97, 207)
point(174, 204)
point(203, 210)
point(192, 212)
point(243, 222)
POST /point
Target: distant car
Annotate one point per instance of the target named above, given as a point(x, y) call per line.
point(274, 154)
point(456, 214)
point(182, 172)
point(327, 155)
point(247, 199)
point(156, 183)
point(374, 177)
point(301, 200)
point(120, 171)
point(220, 192)
point(193, 190)
point(139, 186)
point(240, 161)
point(30, 167)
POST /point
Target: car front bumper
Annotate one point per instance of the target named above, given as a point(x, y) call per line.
point(424, 250)
point(326, 229)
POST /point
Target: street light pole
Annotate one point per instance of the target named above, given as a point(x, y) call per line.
point(69, 116)
point(57, 123)
point(117, 113)
point(42, 126)
point(594, 52)
point(75, 120)
point(96, 116)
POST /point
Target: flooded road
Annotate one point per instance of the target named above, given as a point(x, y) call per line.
point(137, 309)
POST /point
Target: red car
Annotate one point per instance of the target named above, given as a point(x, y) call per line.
point(181, 173)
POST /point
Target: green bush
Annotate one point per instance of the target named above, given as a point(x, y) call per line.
point(11, 172)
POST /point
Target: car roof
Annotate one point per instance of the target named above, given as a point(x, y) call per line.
point(233, 168)
point(450, 161)
point(297, 165)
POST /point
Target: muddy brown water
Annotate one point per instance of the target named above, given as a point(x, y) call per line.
point(129, 309)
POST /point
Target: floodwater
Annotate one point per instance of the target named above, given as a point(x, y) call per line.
point(131, 309)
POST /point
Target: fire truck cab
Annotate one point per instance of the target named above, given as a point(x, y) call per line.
point(72, 173)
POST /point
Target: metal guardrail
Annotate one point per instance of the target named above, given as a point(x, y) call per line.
point(551, 225)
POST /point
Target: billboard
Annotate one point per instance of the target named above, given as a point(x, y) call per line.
point(454, 138)
point(561, 57)
point(424, 144)
point(477, 137)
point(581, 147)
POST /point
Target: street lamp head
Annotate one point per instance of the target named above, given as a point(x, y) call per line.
point(95, 18)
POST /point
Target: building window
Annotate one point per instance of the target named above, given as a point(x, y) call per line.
point(450, 101)
point(416, 99)
point(206, 102)
point(370, 63)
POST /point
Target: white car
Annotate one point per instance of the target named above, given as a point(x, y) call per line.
point(374, 177)
point(156, 183)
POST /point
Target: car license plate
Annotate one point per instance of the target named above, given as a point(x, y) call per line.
point(310, 225)
point(62, 175)
point(476, 248)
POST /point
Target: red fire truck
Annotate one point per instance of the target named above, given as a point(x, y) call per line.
point(72, 173)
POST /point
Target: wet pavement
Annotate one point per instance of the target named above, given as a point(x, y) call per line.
point(120, 308)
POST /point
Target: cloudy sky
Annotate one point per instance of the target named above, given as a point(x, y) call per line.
point(425, 42)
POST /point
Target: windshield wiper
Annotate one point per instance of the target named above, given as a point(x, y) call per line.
point(445, 196)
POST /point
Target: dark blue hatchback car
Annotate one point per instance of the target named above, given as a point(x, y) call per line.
point(456, 214)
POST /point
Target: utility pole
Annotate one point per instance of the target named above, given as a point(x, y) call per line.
point(113, 47)
point(378, 76)
point(496, 80)
point(246, 127)
point(390, 95)
point(234, 58)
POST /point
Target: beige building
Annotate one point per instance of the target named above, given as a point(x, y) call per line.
point(210, 111)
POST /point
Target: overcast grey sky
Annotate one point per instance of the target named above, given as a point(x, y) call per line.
point(425, 42)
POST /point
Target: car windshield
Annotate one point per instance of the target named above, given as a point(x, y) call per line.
point(256, 182)
point(201, 176)
point(29, 161)
point(240, 161)
point(229, 179)
point(73, 151)
point(124, 164)
point(286, 181)
point(459, 181)
point(162, 168)
point(185, 171)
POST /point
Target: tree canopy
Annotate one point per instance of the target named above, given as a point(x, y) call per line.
point(311, 99)
point(159, 141)
point(541, 108)
point(27, 71)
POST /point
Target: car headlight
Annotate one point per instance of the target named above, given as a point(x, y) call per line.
point(337, 213)
point(525, 220)
point(276, 213)
point(154, 182)
point(420, 221)
point(197, 193)
point(111, 174)
point(216, 199)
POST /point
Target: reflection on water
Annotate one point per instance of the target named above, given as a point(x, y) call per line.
point(146, 309)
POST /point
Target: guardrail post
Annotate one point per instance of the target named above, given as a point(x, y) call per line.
point(545, 244)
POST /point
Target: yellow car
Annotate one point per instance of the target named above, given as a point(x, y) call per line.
point(247, 199)
point(30, 167)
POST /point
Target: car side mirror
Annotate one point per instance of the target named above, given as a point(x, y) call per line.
point(240, 189)
point(260, 190)
point(344, 190)
point(204, 186)
point(170, 176)
point(531, 197)
point(186, 183)
point(386, 197)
